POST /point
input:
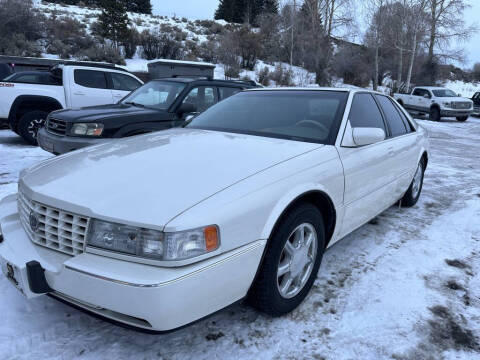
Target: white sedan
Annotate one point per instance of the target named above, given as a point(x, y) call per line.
point(163, 229)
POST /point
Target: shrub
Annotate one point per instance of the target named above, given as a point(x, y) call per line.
point(160, 45)
point(282, 76)
point(131, 42)
point(102, 53)
point(264, 76)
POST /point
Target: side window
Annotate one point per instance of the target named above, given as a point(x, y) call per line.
point(365, 112)
point(395, 122)
point(407, 123)
point(202, 97)
point(417, 92)
point(124, 82)
point(90, 79)
point(226, 92)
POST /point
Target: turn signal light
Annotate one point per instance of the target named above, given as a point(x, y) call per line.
point(211, 238)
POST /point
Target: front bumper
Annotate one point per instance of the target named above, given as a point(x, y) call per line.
point(58, 145)
point(476, 111)
point(455, 113)
point(144, 296)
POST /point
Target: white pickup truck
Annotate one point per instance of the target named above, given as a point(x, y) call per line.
point(25, 105)
point(438, 102)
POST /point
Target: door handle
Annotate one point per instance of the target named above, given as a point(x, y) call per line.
point(79, 93)
point(391, 152)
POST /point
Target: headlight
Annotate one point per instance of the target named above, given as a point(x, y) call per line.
point(447, 104)
point(153, 244)
point(87, 129)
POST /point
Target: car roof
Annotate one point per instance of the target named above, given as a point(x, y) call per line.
point(431, 87)
point(187, 80)
point(349, 90)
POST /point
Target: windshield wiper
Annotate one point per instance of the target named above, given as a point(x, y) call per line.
point(134, 104)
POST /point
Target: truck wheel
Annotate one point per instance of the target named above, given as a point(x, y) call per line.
point(290, 263)
point(434, 114)
point(462, 118)
point(29, 125)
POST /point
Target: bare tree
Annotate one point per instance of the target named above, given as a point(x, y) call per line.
point(375, 10)
point(416, 25)
point(445, 24)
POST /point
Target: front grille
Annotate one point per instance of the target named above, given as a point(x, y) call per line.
point(461, 105)
point(53, 228)
point(56, 126)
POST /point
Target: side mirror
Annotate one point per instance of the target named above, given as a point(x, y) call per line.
point(459, 95)
point(186, 108)
point(367, 136)
point(426, 96)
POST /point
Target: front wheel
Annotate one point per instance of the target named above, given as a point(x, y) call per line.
point(462, 118)
point(291, 262)
point(413, 193)
point(434, 114)
point(29, 125)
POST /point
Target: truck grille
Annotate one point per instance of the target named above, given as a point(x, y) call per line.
point(56, 126)
point(461, 105)
point(53, 228)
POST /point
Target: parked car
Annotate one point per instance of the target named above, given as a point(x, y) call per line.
point(159, 230)
point(26, 104)
point(157, 105)
point(437, 102)
point(476, 104)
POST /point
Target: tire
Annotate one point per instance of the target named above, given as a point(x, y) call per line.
point(434, 114)
point(266, 294)
point(29, 125)
point(413, 193)
point(462, 118)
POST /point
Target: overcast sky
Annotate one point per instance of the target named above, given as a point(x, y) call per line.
point(205, 9)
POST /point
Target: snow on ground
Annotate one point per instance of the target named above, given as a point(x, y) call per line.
point(405, 286)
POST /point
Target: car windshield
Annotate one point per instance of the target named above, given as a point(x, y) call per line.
point(444, 93)
point(312, 116)
point(155, 94)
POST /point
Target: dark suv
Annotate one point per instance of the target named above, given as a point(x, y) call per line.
point(158, 105)
point(476, 104)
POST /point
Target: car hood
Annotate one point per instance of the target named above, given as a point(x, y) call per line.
point(102, 112)
point(150, 179)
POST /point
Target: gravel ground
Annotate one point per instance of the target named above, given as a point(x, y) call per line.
point(405, 286)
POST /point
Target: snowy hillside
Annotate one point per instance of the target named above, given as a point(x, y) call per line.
point(198, 32)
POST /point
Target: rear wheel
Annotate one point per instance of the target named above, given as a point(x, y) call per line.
point(291, 262)
point(462, 118)
point(413, 193)
point(29, 125)
point(434, 114)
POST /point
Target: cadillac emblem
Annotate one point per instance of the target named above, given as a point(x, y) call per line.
point(34, 222)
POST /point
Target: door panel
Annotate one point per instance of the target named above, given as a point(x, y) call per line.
point(369, 182)
point(89, 88)
point(369, 176)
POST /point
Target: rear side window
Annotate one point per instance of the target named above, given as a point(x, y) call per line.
point(407, 122)
point(90, 79)
point(365, 113)
point(124, 82)
point(226, 92)
point(394, 120)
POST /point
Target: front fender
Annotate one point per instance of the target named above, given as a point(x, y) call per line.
point(290, 197)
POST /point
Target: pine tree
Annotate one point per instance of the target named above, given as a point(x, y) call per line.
point(114, 20)
point(227, 10)
point(270, 7)
point(140, 6)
